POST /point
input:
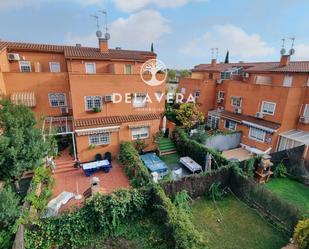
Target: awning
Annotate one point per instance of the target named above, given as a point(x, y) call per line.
point(139, 126)
point(297, 135)
point(24, 98)
point(91, 131)
point(261, 127)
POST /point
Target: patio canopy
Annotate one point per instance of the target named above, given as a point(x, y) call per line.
point(24, 98)
point(293, 138)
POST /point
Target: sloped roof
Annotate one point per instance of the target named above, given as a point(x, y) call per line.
point(80, 52)
point(114, 120)
point(292, 67)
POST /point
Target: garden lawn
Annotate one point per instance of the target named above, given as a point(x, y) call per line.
point(140, 234)
point(240, 226)
point(291, 191)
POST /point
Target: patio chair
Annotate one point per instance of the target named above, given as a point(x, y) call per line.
point(98, 157)
point(108, 156)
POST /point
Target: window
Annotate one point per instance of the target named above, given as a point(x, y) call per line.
point(213, 121)
point(90, 67)
point(306, 111)
point(183, 90)
point(287, 81)
point(54, 67)
point(62, 128)
point(197, 93)
point(231, 125)
point(93, 102)
point(236, 101)
point(225, 75)
point(57, 99)
point(268, 107)
point(139, 100)
point(257, 134)
point(25, 66)
point(140, 133)
point(99, 139)
point(128, 69)
point(210, 76)
point(220, 95)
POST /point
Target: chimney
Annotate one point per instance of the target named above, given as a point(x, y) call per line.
point(213, 62)
point(103, 45)
point(284, 61)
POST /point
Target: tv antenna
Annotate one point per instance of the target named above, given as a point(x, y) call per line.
point(283, 51)
point(292, 50)
point(107, 35)
point(213, 55)
point(99, 32)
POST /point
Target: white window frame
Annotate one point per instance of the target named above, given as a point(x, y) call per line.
point(99, 139)
point(26, 64)
point(229, 128)
point(139, 101)
point(93, 100)
point(220, 95)
point(94, 68)
point(288, 80)
point(54, 67)
point(268, 103)
point(125, 69)
point(305, 110)
point(57, 95)
point(256, 138)
point(238, 99)
point(140, 133)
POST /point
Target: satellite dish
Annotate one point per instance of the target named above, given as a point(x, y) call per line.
point(99, 34)
point(292, 51)
point(107, 36)
point(282, 51)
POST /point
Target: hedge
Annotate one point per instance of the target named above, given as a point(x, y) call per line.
point(198, 152)
point(180, 232)
point(133, 165)
point(100, 216)
point(279, 212)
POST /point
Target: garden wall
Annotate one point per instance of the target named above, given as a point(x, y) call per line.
point(223, 141)
point(198, 185)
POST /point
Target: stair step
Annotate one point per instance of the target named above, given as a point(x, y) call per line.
point(167, 147)
point(167, 152)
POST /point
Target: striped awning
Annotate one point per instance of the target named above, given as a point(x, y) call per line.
point(91, 131)
point(135, 126)
point(24, 98)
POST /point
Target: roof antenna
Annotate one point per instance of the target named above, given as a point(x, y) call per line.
point(212, 53)
point(292, 50)
point(107, 35)
point(283, 51)
point(99, 32)
point(217, 52)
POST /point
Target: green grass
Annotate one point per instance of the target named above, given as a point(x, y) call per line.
point(240, 227)
point(170, 160)
point(140, 234)
point(291, 191)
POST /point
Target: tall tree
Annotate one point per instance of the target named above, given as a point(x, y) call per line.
point(171, 75)
point(21, 144)
point(227, 59)
point(151, 48)
point(185, 73)
point(189, 114)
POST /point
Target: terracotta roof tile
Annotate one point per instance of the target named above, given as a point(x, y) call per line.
point(240, 118)
point(113, 120)
point(293, 67)
point(80, 52)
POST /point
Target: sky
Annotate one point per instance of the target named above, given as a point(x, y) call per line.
point(183, 31)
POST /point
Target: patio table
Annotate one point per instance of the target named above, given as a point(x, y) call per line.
point(190, 164)
point(91, 167)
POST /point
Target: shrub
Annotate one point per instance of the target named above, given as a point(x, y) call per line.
point(140, 145)
point(280, 171)
point(215, 191)
point(9, 209)
point(301, 234)
point(182, 200)
point(134, 167)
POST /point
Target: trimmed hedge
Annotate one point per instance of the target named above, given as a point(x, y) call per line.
point(180, 232)
point(134, 167)
point(198, 152)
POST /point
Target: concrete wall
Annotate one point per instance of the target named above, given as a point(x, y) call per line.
point(224, 142)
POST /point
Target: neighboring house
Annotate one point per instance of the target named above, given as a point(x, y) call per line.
point(267, 101)
point(72, 87)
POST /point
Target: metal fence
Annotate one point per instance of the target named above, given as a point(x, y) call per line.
point(224, 141)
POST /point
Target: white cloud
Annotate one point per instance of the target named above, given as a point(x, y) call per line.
point(232, 38)
point(136, 31)
point(302, 52)
point(133, 5)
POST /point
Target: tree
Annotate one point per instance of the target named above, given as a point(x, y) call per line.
point(227, 57)
point(171, 75)
point(185, 73)
point(140, 145)
point(21, 145)
point(188, 115)
point(9, 207)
